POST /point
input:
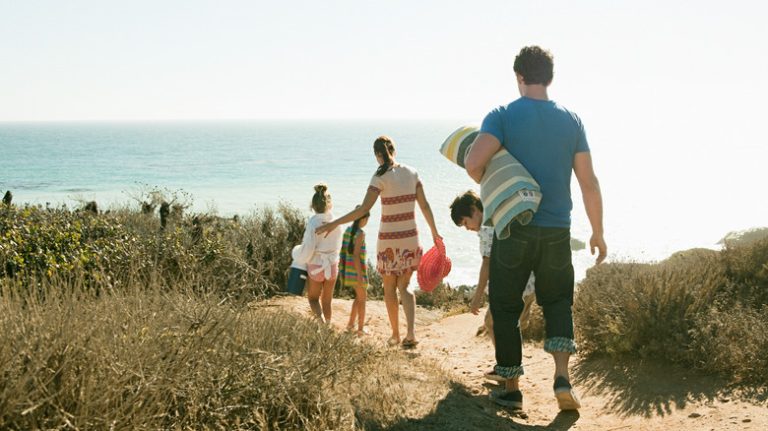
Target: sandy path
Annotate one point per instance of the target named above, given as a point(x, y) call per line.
point(615, 396)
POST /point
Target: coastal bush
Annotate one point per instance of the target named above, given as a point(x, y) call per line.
point(534, 329)
point(747, 266)
point(235, 257)
point(118, 320)
point(699, 308)
point(733, 341)
point(148, 358)
point(453, 300)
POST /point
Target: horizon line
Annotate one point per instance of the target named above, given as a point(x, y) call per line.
point(168, 120)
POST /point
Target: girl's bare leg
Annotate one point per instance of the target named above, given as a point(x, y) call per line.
point(326, 298)
point(313, 295)
point(361, 297)
point(352, 316)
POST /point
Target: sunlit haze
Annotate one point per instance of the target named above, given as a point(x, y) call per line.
point(672, 93)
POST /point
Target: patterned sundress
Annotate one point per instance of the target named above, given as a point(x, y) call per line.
point(347, 270)
point(397, 248)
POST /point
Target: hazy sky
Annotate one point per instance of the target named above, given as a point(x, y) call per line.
point(672, 93)
point(696, 61)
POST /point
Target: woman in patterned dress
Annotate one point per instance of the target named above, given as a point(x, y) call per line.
point(398, 249)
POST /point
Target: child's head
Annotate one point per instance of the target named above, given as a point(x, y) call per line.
point(384, 150)
point(467, 211)
point(357, 225)
point(321, 201)
point(362, 221)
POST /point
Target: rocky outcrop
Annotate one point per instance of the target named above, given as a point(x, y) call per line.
point(577, 244)
point(744, 237)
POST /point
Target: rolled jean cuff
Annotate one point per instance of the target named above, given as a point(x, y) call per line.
point(560, 344)
point(509, 372)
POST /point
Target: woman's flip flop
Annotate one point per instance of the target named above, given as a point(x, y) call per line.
point(409, 344)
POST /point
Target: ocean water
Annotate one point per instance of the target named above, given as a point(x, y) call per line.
point(236, 167)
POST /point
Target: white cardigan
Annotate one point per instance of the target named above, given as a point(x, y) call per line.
point(318, 250)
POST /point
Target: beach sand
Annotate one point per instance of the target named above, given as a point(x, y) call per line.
point(636, 395)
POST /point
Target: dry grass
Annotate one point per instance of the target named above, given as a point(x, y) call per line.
point(699, 308)
point(109, 321)
point(147, 358)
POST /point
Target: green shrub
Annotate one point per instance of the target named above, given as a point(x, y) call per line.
point(644, 309)
point(236, 257)
point(699, 308)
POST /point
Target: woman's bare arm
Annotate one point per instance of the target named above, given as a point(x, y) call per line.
point(368, 201)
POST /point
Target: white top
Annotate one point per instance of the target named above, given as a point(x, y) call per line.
point(318, 249)
point(486, 240)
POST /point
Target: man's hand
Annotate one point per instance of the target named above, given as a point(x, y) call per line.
point(477, 302)
point(598, 242)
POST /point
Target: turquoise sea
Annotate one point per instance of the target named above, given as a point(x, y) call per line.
point(235, 167)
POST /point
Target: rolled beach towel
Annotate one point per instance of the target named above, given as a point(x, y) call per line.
point(507, 190)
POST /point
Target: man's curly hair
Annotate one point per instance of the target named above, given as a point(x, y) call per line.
point(535, 65)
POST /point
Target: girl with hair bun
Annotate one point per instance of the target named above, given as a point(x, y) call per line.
point(320, 253)
point(398, 250)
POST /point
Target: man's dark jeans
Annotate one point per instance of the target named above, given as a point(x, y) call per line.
point(547, 252)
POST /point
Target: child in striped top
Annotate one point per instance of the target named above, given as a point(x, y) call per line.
point(353, 271)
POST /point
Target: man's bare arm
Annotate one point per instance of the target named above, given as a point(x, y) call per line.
point(483, 149)
point(593, 202)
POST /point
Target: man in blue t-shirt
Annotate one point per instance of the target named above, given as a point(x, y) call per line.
point(550, 142)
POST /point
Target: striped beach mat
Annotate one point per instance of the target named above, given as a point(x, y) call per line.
point(507, 190)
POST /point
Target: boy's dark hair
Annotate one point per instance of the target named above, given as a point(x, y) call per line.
point(462, 206)
point(535, 65)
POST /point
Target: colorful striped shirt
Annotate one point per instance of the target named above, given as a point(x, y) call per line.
point(347, 270)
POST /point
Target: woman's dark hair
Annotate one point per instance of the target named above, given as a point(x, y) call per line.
point(384, 146)
point(353, 232)
point(535, 65)
point(462, 206)
point(321, 198)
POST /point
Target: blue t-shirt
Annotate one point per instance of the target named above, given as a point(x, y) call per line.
point(544, 137)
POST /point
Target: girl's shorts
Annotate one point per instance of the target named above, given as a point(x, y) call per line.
point(320, 275)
